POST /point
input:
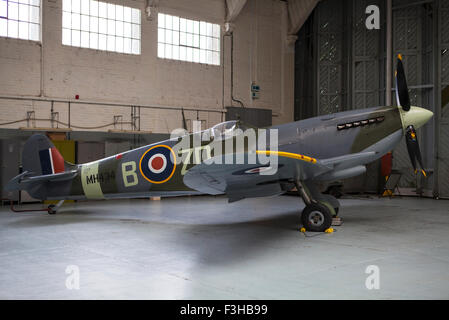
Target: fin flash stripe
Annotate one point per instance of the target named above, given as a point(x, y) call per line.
point(287, 155)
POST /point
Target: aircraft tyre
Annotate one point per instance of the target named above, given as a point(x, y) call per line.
point(51, 209)
point(316, 217)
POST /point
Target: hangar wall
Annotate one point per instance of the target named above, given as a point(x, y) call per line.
point(52, 70)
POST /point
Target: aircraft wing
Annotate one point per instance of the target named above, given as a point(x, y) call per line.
point(245, 180)
point(25, 179)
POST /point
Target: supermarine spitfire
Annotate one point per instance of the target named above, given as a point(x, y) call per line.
point(324, 148)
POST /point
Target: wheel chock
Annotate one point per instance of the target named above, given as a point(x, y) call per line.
point(329, 230)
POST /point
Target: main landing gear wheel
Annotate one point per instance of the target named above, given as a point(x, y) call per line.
point(52, 209)
point(316, 217)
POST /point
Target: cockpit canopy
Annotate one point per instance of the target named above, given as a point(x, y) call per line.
point(227, 129)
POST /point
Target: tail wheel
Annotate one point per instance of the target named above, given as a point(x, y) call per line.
point(51, 209)
point(316, 217)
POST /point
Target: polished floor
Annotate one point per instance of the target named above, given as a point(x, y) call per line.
point(204, 248)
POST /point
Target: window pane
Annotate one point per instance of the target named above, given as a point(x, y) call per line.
point(136, 46)
point(76, 21)
point(13, 11)
point(13, 28)
point(23, 12)
point(111, 43)
point(168, 22)
point(102, 42)
point(216, 31)
point(135, 15)
point(66, 37)
point(102, 9)
point(183, 39)
point(203, 56)
point(35, 2)
point(111, 11)
point(168, 51)
point(102, 26)
point(84, 23)
point(3, 27)
point(93, 26)
point(67, 5)
point(111, 28)
point(203, 28)
point(196, 27)
point(119, 13)
point(76, 38)
point(160, 50)
point(190, 26)
point(66, 20)
point(34, 32)
point(136, 31)
point(76, 6)
point(175, 38)
point(168, 36)
point(182, 53)
point(161, 20)
point(161, 35)
point(127, 45)
point(84, 39)
point(94, 8)
point(127, 14)
point(209, 30)
point(93, 39)
point(119, 44)
point(175, 52)
point(23, 30)
point(85, 6)
point(127, 30)
point(34, 14)
point(119, 28)
point(183, 25)
point(175, 23)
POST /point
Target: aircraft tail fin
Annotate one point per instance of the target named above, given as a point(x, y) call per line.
point(40, 156)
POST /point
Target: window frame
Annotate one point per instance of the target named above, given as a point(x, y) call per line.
point(188, 40)
point(96, 27)
point(30, 21)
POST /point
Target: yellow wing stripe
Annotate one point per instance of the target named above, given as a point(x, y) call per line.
point(287, 155)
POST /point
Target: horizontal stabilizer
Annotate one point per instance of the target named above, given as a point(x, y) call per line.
point(22, 181)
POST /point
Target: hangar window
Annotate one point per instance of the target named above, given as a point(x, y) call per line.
point(20, 19)
point(188, 40)
point(101, 26)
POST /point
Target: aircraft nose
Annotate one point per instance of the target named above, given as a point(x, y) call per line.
point(416, 117)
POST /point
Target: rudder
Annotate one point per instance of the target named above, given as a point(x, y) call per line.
point(40, 156)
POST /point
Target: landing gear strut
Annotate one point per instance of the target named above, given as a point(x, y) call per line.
point(320, 209)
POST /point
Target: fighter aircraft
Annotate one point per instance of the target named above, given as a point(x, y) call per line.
point(323, 148)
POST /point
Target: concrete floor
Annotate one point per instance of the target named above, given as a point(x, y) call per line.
point(205, 248)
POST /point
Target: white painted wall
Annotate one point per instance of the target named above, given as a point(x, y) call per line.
point(56, 71)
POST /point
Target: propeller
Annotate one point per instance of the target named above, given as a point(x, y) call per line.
point(413, 148)
point(403, 99)
point(402, 96)
point(184, 123)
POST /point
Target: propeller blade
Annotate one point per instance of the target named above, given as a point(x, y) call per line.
point(414, 152)
point(402, 97)
point(184, 123)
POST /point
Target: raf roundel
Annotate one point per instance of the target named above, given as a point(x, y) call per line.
point(158, 164)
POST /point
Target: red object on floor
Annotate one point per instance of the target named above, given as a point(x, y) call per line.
point(386, 164)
